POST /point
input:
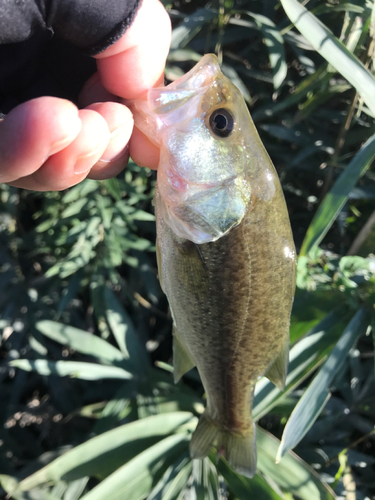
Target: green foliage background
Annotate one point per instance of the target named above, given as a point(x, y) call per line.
point(88, 405)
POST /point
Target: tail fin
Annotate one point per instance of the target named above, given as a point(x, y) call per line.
point(239, 450)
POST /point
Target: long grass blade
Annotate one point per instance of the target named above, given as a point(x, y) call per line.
point(292, 473)
point(104, 453)
point(74, 369)
point(135, 479)
point(332, 50)
point(337, 196)
point(173, 481)
point(312, 402)
point(125, 333)
point(190, 26)
point(243, 487)
point(80, 341)
point(275, 46)
point(304, 358)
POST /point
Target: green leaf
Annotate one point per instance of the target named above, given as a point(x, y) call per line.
point(92, 227)
point(75, 208)
point(125, 334)
point(173, 481)
point(74, 369)
point(304, 358)
point(183, 55)
point(9, 484)
point(275, 45)
point(138, 244)
point(80, 341)
point(113, 188)
point(337, 196)
point(142, 215)
point(351, 264)
point(292, 473)
point(82, 189)
point(318, 99)
point(75, 489)
point(45, 225)
point(372, 24)
point(190, 26)
point(292, 135)
point(36, 494)
point(97, 288)
point(232, 74)
point(242, 486)
point(318, 80)
point(212, 482)
point(135, 479)
point(332, 50)
point(106, 210)
point(70, 292)
point(312, 402)
point(311, 307)
point(104, 453)
point(346, 7)
point(167, 397)
point(200, 472)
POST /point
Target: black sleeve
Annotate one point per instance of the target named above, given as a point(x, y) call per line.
point(91, 25)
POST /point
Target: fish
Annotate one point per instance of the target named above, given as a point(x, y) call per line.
point(225, 252)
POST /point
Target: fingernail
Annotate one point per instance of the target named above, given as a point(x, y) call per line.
point(118, 144)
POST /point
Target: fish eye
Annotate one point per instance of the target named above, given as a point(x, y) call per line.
point(221, 122)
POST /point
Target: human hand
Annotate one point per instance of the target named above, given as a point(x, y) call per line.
point(47, 144)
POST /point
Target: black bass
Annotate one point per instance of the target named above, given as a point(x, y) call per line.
point(225, 252)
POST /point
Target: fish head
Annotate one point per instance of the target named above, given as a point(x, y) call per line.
point(208, 172)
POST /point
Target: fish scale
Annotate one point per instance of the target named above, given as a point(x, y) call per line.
point(225, 252)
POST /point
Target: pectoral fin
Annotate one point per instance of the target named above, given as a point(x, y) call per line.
point(182, 361)
point(277, 372)
point(192, 270)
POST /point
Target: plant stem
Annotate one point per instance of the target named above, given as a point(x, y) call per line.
point(339, 145)
point(362, 235)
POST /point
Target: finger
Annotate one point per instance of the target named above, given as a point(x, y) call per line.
point(136, 62)
point(71, 165)
point(116, 155)
point(143, 151)
point(93, 91)
point(32, 132)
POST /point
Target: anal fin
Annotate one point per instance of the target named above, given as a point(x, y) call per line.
point(277, 371)
point(182, 361)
